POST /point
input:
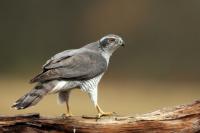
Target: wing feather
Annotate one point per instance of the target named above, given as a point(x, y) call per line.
point(60, 56)
point(81, 66)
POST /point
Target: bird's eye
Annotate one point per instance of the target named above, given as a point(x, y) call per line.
point(110, 40)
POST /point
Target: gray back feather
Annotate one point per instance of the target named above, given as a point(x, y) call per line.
point(79, 64)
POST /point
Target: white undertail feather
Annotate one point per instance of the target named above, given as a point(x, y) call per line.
point(63, 89)
point(58, 87)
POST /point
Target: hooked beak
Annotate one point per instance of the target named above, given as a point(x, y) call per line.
point(122, 43)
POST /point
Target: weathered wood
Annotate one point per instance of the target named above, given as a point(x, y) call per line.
point(179, 119)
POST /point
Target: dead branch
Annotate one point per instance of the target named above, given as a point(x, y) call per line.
point(179, 119)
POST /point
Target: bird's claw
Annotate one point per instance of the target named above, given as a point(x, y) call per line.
point(101, 114)
point(66, 115)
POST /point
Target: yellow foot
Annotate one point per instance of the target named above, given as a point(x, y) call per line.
point(66, 115)
point(69, 115)
point(99, 115)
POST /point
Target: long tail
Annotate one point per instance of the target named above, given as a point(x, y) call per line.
point(32, 97)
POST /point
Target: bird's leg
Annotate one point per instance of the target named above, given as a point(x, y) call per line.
point(68, 110)
point(63, 97)
point(101, 112)
point(93, 96)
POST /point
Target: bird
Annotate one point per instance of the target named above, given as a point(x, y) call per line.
point(80, 68)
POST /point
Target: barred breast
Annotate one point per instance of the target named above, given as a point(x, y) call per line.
point(91, 84)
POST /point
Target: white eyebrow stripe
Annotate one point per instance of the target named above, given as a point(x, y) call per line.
point(107, 37)
point(103, 38)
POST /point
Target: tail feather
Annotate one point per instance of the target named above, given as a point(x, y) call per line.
point(36, 78)
point(31, 98)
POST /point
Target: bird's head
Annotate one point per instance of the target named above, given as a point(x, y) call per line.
point(110, 43)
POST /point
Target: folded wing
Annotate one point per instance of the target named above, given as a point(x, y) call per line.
point(72, 66)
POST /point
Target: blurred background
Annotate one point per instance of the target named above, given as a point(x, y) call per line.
point(159, 67)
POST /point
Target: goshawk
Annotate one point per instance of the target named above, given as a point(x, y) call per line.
point(77, 68)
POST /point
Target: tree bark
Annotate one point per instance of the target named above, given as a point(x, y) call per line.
point(179, 119)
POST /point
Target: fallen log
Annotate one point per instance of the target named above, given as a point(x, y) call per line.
point(179, 119)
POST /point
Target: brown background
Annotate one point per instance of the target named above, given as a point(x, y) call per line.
point(158, 67)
